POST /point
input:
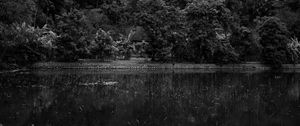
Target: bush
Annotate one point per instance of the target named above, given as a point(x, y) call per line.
point(294, 50)
point(103, 45)
point(22, 44)
point(225, 54)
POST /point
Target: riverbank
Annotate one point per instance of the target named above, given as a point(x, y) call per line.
point(132, 65)
point(141, 63)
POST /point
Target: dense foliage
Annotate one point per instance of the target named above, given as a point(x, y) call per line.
point(164, 26)
point(21, 44)
point(274, 39)
point(209, 32)
point(202, 31)
point(74, 36)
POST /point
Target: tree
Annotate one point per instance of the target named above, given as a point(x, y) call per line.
point(249, 10)
point(164, 25)
point(75, 36)
point(22, 44)
point(289, 14)
point(274, 40)
point(17, 11)
point(204, 21)
point(103, 45)
point(178, 3)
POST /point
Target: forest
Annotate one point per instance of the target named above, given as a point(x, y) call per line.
point(196, 31)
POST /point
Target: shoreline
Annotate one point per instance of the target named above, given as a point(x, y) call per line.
point(12, 71)
point(146, 67)
point(132, 65)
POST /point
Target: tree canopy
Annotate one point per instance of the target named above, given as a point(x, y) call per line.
point(202, 31)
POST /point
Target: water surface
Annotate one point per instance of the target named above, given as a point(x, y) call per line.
point(149, 98)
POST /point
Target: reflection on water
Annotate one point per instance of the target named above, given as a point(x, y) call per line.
point(155, 98)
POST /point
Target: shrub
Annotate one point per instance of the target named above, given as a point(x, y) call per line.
point(103, 46)
point(22, 44)
point(294, 50)
point(125, 47)
point(225, 54)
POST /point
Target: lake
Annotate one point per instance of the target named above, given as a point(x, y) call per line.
point(149, 98)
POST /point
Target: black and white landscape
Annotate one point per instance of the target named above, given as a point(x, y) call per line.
point(149, 62)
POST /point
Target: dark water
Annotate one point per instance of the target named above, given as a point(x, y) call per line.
point(155, 98)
